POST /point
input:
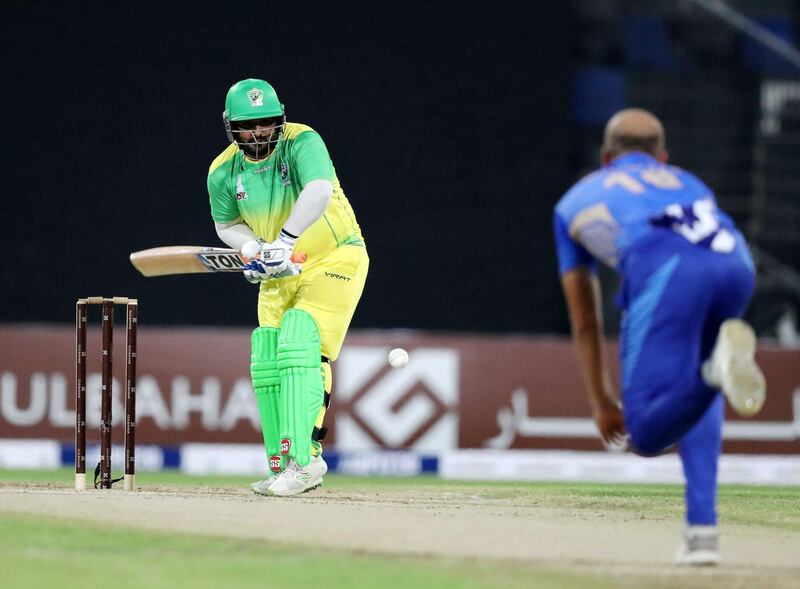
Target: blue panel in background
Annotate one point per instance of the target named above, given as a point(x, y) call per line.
point(151, 458)
point(67, 455)
point(384, 462)
point(598, 93)
point(758, 57)
point(172, 456)
point(148, 457)
point(332, 460)
point(646, 42)
point(430, 465)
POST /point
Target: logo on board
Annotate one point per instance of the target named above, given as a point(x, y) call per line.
point(379, 407)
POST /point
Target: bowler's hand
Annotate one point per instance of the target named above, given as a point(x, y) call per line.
point(608, 417)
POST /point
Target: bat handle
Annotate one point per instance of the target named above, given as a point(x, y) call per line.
point(297, 258)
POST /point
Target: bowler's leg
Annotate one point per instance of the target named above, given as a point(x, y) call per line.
point(661, 350)
point(700, 450)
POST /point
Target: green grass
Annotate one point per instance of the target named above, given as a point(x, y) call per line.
point(40, 552)
point(37, 551)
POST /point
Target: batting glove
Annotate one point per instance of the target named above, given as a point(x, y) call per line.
point(273, 260)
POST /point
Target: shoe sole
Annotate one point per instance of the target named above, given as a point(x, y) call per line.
point(254, 488)
point(310, 487)
point(699, 558)
point(743, 382)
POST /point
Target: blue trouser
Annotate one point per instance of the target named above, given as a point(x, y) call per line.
point(675, 295)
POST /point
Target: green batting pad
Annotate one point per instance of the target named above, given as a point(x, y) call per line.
point(267, 386)
point(301, 383)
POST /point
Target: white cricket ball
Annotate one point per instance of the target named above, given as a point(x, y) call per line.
point(251, 249)
point(398, 358)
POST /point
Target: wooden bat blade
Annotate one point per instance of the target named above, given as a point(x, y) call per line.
point(186, 259)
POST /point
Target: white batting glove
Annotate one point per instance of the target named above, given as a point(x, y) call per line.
point(277, 256)
point(254, 272)
point(270, 260)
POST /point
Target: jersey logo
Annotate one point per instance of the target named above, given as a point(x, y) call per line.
point(256, 97)
point(241, 193)
point(285, 175)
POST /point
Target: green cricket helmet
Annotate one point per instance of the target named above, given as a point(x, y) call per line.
point(253, 100)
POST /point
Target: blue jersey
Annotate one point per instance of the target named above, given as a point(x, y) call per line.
point(607, 213)
point(685, 269)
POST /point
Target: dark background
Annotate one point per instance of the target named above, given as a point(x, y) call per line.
point(446, 124)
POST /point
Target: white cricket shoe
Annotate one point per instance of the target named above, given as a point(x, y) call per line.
point(700, 547)
point(296, 479)
point(260, 487)
point(732, 367)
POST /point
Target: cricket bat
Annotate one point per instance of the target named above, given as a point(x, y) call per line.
point(191, 259)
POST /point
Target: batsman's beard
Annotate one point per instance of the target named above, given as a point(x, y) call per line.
point(259, 149)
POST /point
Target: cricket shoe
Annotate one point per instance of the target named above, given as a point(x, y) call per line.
point(296, 479)
point(732, 367)
point(260, 487)
point(700, 547)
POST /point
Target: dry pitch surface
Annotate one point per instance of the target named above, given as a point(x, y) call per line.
point(472, 523)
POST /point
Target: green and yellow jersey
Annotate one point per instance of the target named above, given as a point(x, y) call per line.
point(263, 193)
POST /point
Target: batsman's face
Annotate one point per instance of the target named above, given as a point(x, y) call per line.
point(257, 138)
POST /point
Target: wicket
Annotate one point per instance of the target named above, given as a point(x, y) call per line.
point(104, 466)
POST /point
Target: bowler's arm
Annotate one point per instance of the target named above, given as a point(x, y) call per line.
point(584, 302)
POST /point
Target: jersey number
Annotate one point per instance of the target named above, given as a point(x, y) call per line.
point(659, 177)
point(699, 223)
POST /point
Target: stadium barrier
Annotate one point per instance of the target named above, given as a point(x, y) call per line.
point(500, 406)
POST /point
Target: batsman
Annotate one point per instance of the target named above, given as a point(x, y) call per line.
point(275, 196)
